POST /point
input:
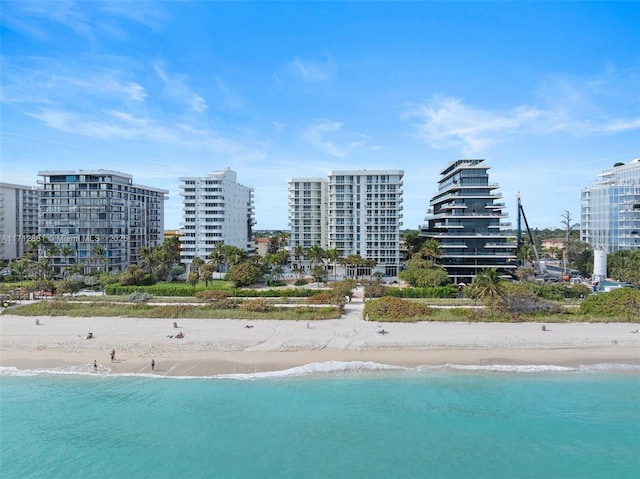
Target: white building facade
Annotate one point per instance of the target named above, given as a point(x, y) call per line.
point(216, 209)
point(18, 219)
point(98, 219)
point(357, 212)
point(610, 211)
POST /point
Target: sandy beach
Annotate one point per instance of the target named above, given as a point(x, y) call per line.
point(220, 346)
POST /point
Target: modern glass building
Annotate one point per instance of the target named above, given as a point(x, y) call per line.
point(610, 211)
point(98, 219)
point(216, 209)
point(466, 218)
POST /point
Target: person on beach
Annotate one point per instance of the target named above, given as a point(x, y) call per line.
point(113, 355)
point(153, 364)
point(95, 365)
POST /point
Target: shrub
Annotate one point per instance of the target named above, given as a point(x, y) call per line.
point(343, 288)
point(68, 287)
point(257, 306)
point(213, 294)
point(377, 291)
point(224, 303)
point(327, 297)
point(624, 302)
point(525, 303)
point(273, 293)
point(396, 309)
point(139, 297)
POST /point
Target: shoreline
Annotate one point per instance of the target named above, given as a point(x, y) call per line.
point(222, 346)
point(206, 364)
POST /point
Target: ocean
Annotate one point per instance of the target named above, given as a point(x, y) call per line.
point(326, 420)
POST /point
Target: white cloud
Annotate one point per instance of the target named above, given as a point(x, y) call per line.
point(605, 104)
point(311, 71)
point(230, 100)
point(89, 20)
point(330, 138)
point(42, 83)
point(177, 87)
point(448, 122)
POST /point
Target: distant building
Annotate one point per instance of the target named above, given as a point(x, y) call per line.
point(216, 209)
point(356, 212)
point(610, 212)
point(18, 219)
point(466, 220)
point(98, 219)
point(261, 246)
point(551, 243)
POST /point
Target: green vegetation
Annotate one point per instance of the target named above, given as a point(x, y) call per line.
point(396, 310)
point(379, 290)
point(57, 307)
point(624, 266)
point(166, 289)
point(621, 302)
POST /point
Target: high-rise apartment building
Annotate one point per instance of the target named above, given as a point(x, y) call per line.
point(308, 212)
point(216, 209)
point(356, 212)
point(99, 219)
point(466, 220)
point(18, 219)
point(610, 212)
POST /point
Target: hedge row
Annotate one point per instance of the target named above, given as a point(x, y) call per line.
point(187, 290)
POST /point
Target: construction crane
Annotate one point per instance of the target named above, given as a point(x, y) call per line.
point(538, 266)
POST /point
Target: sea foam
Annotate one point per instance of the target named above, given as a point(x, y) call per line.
point(333, 368)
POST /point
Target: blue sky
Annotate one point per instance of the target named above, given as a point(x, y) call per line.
point(548, 93)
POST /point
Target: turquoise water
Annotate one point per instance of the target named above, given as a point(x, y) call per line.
point(345, 420)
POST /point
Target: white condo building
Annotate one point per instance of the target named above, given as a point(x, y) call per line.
point(99, 217)
point(18, 219)
point(610, 212)
point(216, 209)
point(356, 212)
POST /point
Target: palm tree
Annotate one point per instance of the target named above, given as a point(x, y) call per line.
point(206, 273)
point(233, 255)
point(192, 278)
point(488, 287)
point(274, 244)
point(431, 250)
point(144, 257)
point(66, 252)
point(21, 267)
point(370, 263)
point(525, 253)
point(171, 246)
point(99, 251)
point(217, 255)
point(316, 254)
point(333, 255)
point(298, 252)
point(196, 264)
